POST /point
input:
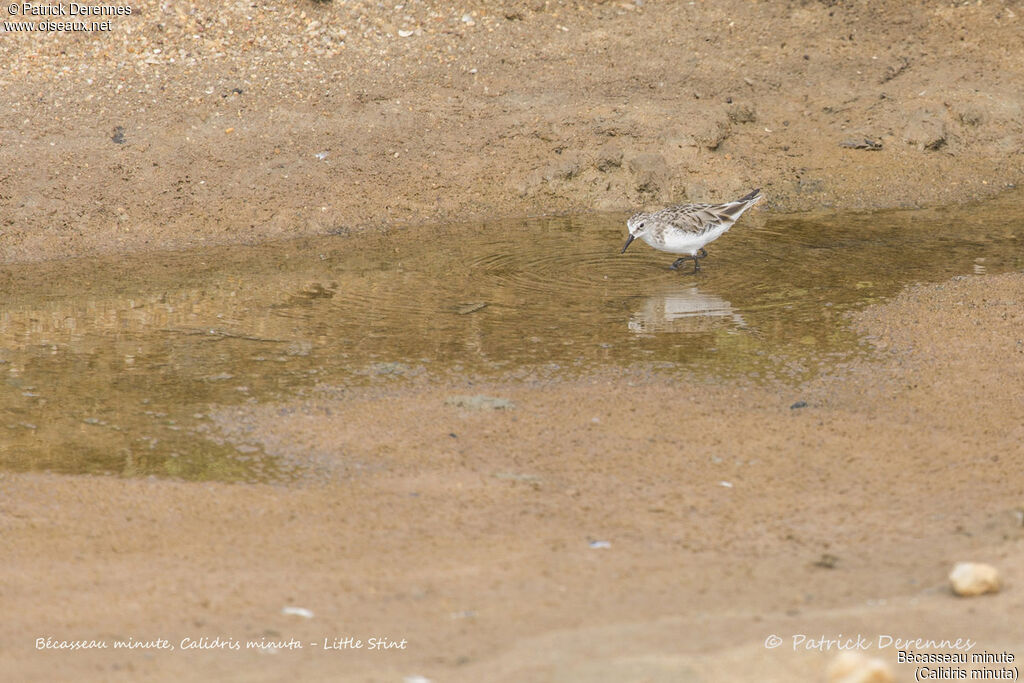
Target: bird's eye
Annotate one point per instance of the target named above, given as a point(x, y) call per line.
point(641, 225)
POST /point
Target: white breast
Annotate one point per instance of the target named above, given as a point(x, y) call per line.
point(680, 242)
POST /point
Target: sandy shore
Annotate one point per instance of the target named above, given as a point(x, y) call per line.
point(616, 526)
point(472, 536)
point(203, 123)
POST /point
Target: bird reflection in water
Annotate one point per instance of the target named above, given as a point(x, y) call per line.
point(684, 309)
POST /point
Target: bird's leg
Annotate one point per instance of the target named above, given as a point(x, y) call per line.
point(679, 261)
point(699, 255)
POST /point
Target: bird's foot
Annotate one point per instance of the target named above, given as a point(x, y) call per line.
point(680, 261)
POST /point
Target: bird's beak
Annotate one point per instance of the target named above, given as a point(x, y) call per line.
point(629, 241)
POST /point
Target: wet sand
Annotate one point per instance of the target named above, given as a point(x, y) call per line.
point(468, 532)
point(117, 365)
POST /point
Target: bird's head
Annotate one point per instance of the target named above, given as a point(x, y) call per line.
point(637, 225)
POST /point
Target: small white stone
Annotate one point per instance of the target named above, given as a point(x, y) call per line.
point(854, 667)
point(973, 578)
point(297, 612)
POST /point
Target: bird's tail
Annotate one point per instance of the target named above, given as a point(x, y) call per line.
point(730, 212)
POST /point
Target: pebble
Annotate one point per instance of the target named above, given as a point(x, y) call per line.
point(854, 667)
point(974, 578)
point(827, 561)
point(470, 307)
point(925, 130)
point(480, 402)
point(742, 113)
point(861, 143)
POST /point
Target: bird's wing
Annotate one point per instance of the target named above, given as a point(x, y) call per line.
point(699, 218)
point(692, 218)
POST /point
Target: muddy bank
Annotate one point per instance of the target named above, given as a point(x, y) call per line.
point(611, 523)
point(205, 123)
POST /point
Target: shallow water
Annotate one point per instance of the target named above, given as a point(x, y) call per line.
point(113, 365)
